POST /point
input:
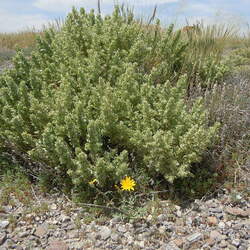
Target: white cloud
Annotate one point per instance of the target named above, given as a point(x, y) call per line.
point(58, 5)
point(65, 5)
point(13, 22)
point(200, 7)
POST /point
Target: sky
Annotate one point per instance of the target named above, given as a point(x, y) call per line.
point(19, 15)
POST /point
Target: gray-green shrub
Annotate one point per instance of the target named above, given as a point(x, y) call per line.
point(104, 98)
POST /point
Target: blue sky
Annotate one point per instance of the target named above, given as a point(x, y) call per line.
point(17, 15)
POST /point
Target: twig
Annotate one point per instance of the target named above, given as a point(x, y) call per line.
point(33, 191)
point(153, 15)
point(154, 192)
point(104, 207)
point(99, 6)
point(97, 206)
point(203, 198)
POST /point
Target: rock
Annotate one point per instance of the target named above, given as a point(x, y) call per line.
point(41, 231)
point(215, 235)
point(65, 219)
point(115, 237)
point(238, 211)
point(149, 218)
point(57, 245)
point(23, 234)
point(73, 234)
point(210, 242)
point(4, 224)
point(161, 218)
point(179, 213)
point(189, 221)
point(194, 237)
point(162, 230)
point(3, 237)
point(77, 245)
point(178, 242)
point(121, 229)
point(53, 206)
point(177, 207)
point(105, 233)
point(171, 246)
point(9, 243)
point(237, 226)
point(115, 220)
point(231, 247)
point(37, 218)
point(18, 248)
point(179, 222)
point(223, 244)
point(212, 221)
point(236, 242)
point(215, 210)
point(7, 209)
point(140, 244)
point(221, 225)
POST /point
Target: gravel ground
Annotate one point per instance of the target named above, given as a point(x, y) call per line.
point(219, 223)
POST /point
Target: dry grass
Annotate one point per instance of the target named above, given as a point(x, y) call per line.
point(23, 39)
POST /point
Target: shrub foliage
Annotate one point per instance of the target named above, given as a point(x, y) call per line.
point(101, 99)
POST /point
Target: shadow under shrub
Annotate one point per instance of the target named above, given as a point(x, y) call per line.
point(103, 99)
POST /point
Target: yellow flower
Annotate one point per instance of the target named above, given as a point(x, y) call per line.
point(93, 182)
point(127, 184)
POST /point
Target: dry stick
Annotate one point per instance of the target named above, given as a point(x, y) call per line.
point(153, 192)
point(97, 206)
point(104, 207)
point(24, 158)
point(99, 6)
point(34, 194)
point(153, 15)
point(204, 197)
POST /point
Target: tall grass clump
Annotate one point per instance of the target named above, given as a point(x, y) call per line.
point(103, 99)
point(23, 39)
point(207, 44)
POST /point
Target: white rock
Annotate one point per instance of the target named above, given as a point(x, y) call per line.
point(53, 206)
point(149, 218)
point(162, 229)
point(179, 213)
point(115, 237)
point(221, 225)
point(141, 244)
point(105, 233)
point(236, 242)
point(215, 235)
point(4, 224)
point(121, 229)
point(194, 237)
point(65, 218)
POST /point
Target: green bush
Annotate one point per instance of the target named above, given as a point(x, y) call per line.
point(103, 98)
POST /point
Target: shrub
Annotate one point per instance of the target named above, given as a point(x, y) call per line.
point(103, 99)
